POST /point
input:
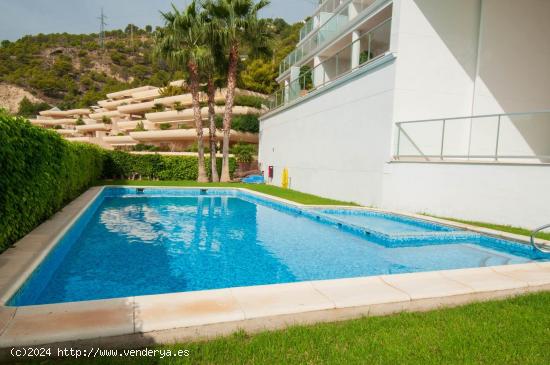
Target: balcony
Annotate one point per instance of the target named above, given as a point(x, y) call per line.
point(120, 140)
point(187, 115)
point(333, 17)
point(370, 45)
point(189, 135)
point(496, 138)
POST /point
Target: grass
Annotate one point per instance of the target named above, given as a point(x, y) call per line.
point(503, 228)
point(288, 194)
point(513, 331)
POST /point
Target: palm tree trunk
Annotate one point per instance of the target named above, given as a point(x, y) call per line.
point(212, 118)
point(228, 115)
point(194, 86)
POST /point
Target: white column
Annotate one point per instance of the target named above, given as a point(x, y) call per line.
point(355, 49)
point(319, 72)
point(287, 91)
point(352, 10)
point(294, 83)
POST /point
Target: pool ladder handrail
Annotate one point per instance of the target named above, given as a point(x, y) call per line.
point(533, 241)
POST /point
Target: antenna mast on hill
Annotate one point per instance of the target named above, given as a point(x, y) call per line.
point(102, 25)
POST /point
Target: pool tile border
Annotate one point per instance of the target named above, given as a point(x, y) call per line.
point(167, 318)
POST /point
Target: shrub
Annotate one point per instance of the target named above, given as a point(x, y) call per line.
point(178, 106)
point(246, 123)
point(80, 121)
point(172, 90)
point(244, 153)
point(219, 121)
point(145, 147)
point(106, 120)
point(40, 173)
point(158, 107)
point(140, 127)
point(250, 100)
point(165, 126)
point(241, 123)
point(194, 147)
point(28, 109)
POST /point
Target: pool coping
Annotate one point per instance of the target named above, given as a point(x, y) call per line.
point(166, 318)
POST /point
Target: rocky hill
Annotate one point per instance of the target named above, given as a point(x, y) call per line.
point(11, 97)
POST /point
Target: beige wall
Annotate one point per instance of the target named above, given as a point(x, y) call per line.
point(514, 59)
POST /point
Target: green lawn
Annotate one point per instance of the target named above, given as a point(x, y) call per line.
point(514, 331)
point(291, 195)
point(503, 228)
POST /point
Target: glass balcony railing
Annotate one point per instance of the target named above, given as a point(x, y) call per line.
point(307, 28)
point(370, 46)
point(509, 138)
point(325, 7)
point(328, 29)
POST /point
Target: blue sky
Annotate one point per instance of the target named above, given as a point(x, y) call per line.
point(22, 17)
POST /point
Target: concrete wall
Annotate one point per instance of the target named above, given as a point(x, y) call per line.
point(336, 143)
point(505, 194)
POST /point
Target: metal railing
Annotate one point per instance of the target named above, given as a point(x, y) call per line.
point(508, 137)
point(541, 247)
point(327, 29)
point(368, 47)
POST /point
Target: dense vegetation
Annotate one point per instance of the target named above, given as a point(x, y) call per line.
point(122, 165)
point(41, 172)
point(70, 70)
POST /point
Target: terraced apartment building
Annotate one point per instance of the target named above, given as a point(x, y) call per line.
point(144, 116)
point(432, 106)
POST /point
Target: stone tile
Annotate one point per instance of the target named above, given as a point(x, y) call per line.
point(359, 292)
point(44, 324)
point(167, 311)
point(280, 299)
point(484, 279)
point(13, 264)
point(6, 314)
point(426, 285)
point(533, 274)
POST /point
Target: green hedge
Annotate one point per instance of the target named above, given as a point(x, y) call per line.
point(122, 165)
point(40, 172)
point(241, 123)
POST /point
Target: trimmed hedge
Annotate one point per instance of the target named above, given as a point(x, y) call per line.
point(40, 172)
point(122, 165)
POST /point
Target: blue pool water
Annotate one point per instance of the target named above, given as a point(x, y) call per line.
point(162, 241)
point(390, 224)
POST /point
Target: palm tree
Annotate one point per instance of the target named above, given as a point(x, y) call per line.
point(181, 44)
point(214, 80)
point(238, 26)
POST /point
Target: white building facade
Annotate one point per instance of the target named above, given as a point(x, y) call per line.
point(429, 106)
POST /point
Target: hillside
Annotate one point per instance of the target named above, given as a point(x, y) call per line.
point(70, 71)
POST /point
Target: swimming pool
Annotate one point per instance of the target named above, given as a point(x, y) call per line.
point(131, 242)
